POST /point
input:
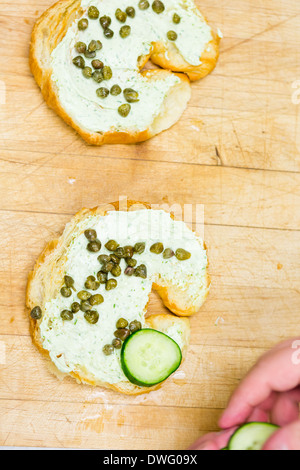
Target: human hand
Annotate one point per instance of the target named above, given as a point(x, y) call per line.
point(271, 392)
point(213, 440)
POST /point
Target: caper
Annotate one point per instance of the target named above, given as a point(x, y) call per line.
point(90, 234)
point(85, 306)
point(115, 259)
point(131, 95)
point(128, 251)
point(121, 323)
point(139, 248)
point(75, 307)
point(91, 316)
point(157, 248)
point(83, 24)
point(69, 281)
point(135, 326)
point(158, 6)
point(66, 291)
point(111, 245)
point(102, 92)
point(144, 4)
point(115, 90)
point(87, 72)
point(108, 33)
point(124, 251)
point(182, 254)
point(107, 267)
point(171, 35)
point(122, 333)
point(102, 277)
point(168, 253)
point(130, 12)
point(66, 315)
point(96, 299)
point(92, 47)
point(105, 21)
point(120, 252)
point(129, 271)
point(94, 246)
point(131, 262)
point(80, 47)
point(111, 284)
point(103, 258)
point(93, 13)
point(79, 62)
point(97, 64)
point(90, 54)
point(116, 343)
point(116, 270)
point(98, 76)
point(91, 283)
point(125, 31)
point(108, 349)
point(124, 110)
point(95, 285)
point(83, 295)
point(107, 72)
point(176, 18)
point(36, 313)
point(120, 15)
point(141, 271)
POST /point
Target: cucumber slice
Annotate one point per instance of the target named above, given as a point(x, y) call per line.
point(148, 357)
point(251, 436)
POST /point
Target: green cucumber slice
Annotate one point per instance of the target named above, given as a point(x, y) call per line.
point(251, 436)
point(148, 357)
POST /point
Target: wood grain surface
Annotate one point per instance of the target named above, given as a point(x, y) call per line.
point(236, 150)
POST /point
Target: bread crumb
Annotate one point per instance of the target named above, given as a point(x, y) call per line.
point(219, 319)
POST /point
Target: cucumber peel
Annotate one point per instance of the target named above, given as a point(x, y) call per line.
point(251, 436)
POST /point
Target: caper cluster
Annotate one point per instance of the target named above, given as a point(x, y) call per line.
point(167, 253)
point(122, 332)
point(66, 290)
point(87, 299)
point(110, 263)
point(94, 244)
point(87, 302)
point(102, 72)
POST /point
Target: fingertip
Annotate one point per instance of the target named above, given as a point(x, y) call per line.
point(230, 419)
point(286, 438)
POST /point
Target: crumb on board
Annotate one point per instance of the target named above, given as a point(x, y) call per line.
point(218, 320)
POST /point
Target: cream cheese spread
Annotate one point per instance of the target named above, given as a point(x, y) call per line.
point(77, 344)
point(77, 94)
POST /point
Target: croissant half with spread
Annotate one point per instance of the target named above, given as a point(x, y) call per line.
point(87, 57)
point(89, 291)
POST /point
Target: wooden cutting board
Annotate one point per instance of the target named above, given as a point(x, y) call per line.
point(236, 150)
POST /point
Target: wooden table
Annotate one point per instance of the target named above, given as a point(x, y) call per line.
point(236, 150)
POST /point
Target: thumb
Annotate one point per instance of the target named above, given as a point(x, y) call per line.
point(286, 438)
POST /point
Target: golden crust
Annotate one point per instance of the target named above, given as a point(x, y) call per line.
point(45, 280)
point(50, 29)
